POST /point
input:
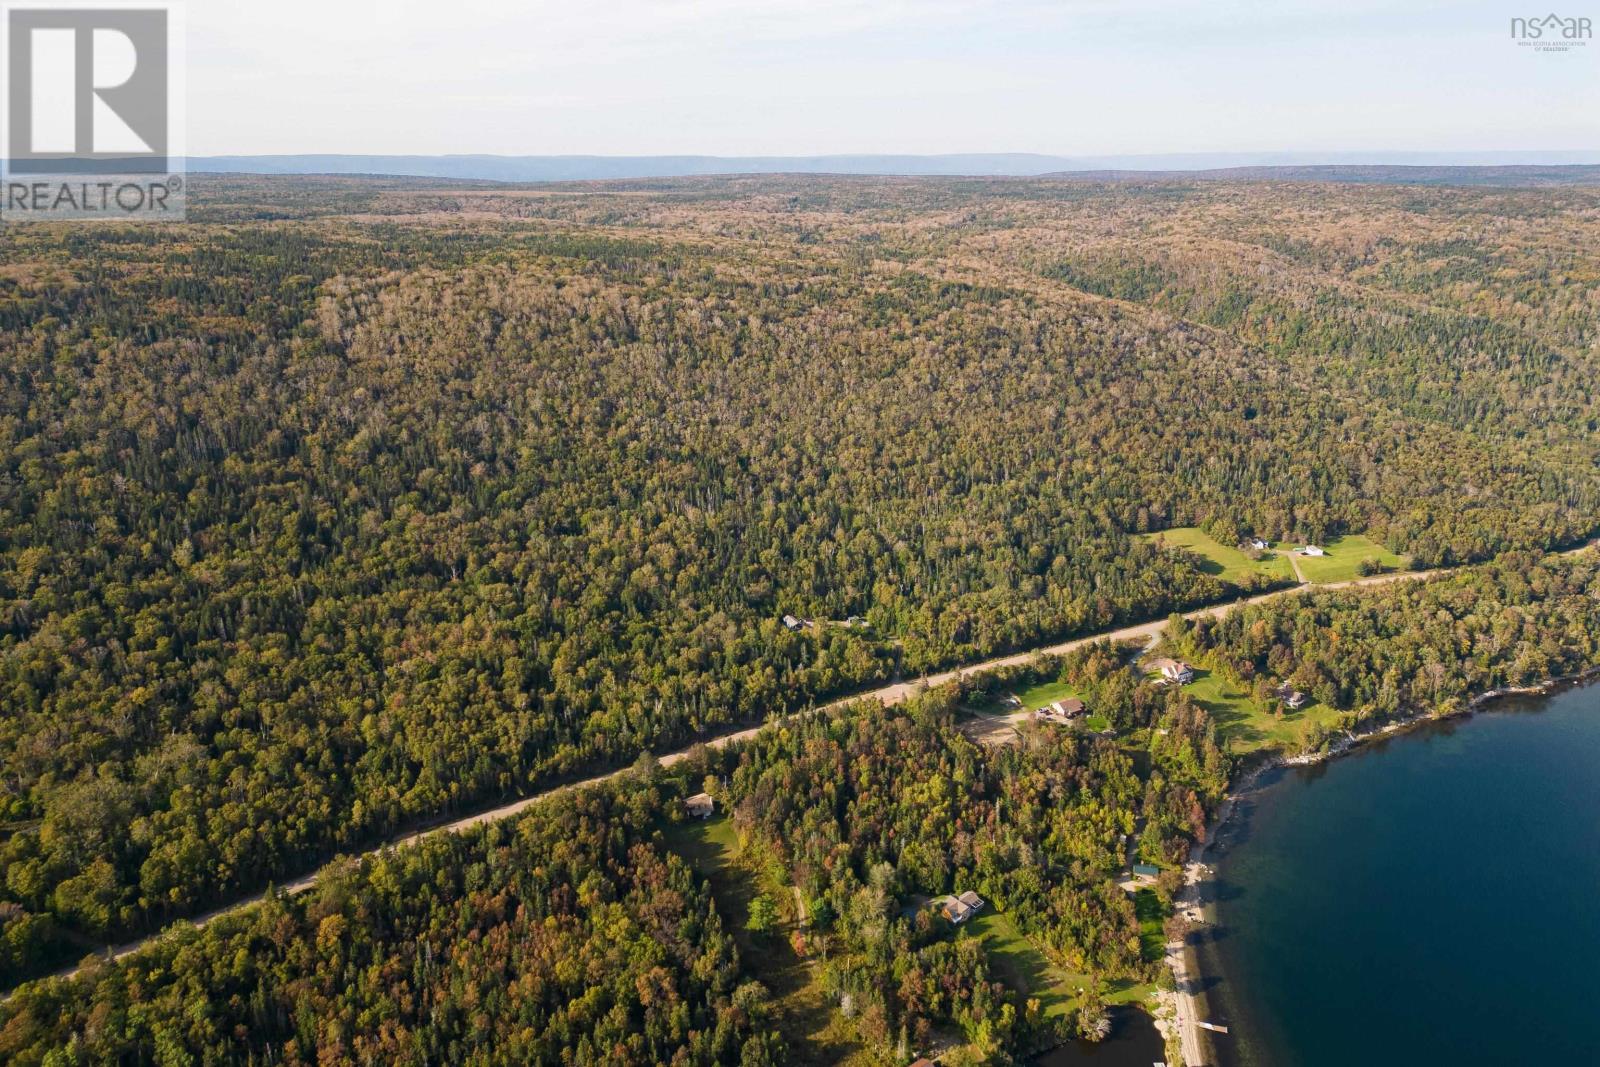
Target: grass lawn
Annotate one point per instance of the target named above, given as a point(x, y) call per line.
point(1152, 938)
point(1343, 561)
point(1022, 965)
point(1242, 725)
point(1229, 564)
point(1031, 973)
point(1037, 696)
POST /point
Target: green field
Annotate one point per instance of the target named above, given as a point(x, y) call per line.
point(1229, 564)
point(1037, 696)
point(1343, 561)
point(1152, 937)
point(1027, 970)
point(1021, 964)
point(1242, 725)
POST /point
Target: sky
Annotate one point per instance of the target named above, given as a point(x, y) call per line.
point(808, 77)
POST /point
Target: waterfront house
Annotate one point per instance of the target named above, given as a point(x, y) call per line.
point(1290, 695)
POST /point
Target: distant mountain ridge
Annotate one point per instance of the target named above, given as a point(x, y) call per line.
point(1570, 174)
point(1305, 165)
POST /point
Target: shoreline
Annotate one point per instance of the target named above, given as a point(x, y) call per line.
point(888, 695)
point(1179, 1017)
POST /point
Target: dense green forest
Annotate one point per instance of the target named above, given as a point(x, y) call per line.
point(1415, 646)
point(574, 934)
point(350, 504)
point(569, 937)
point(863, 813)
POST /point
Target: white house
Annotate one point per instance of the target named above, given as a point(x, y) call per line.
point(1312, 550)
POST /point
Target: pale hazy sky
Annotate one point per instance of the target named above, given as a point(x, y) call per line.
point(801, 77)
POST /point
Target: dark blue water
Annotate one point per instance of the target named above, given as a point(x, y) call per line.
point(1431, 899)
point(1133, 1042)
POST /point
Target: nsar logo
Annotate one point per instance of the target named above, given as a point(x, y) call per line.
point(1552, 33)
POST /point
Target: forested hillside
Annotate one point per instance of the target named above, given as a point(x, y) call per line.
point(575, 934)
point(583, 931)
point(349, 504)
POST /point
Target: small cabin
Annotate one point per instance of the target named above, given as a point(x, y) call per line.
point(700, 806)
point(792, 624)
point(1146, 870)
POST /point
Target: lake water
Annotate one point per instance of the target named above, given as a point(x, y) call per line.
point(1428, 899)
point(1133, 1042)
